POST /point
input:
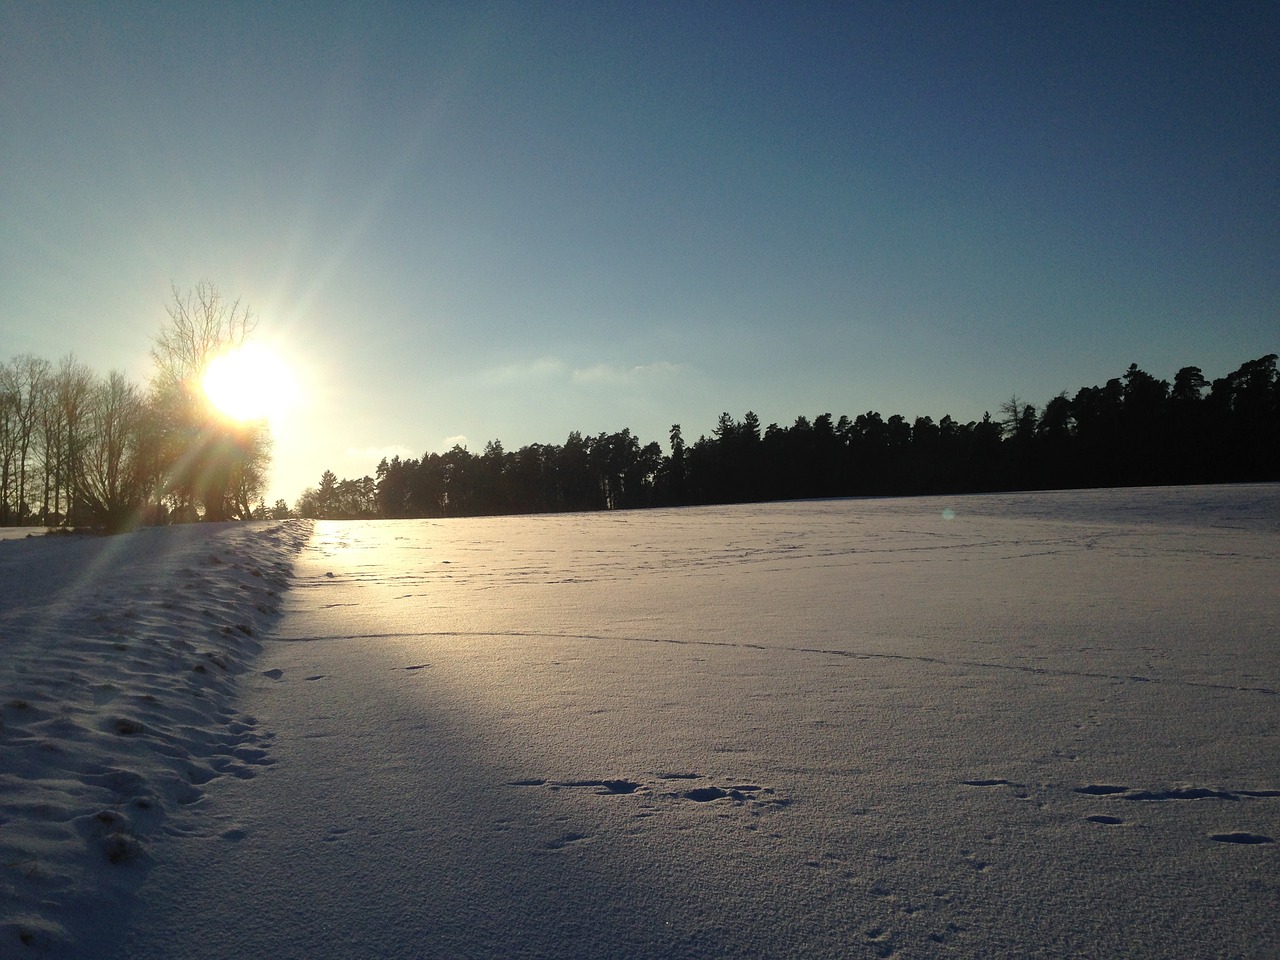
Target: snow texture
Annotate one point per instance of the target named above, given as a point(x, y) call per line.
point(118, 661)
point(1033, 725)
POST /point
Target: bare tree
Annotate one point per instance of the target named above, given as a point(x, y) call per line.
point(208, 463)
point(249, 471)
point(8, 441)
point(32, 378)
point(111, 487)
point(51, 451)
point(68, 401)
point(201, 325)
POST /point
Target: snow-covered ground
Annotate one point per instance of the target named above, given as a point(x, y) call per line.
point(118, 666)
point(1019, 725)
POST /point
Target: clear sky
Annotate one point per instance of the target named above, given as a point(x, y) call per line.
point(473, 221)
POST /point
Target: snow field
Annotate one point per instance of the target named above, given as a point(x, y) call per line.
point(1025, 725)
point(1034, 725)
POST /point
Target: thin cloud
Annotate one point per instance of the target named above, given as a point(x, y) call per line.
point(609, 373)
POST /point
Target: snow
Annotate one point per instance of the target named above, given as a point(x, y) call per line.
point(1011, 725)
point(117, 691)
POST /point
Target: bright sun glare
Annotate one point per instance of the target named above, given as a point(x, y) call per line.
point(251, 382)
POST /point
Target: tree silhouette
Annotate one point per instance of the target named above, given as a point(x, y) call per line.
point(1133, 429)
point(76, 448)
point(212, 465)
point(111, 485)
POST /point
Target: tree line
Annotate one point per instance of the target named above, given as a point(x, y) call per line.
point(90, 450)
point(1133, 430)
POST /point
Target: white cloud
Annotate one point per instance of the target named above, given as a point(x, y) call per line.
point(457, 440)
point(550, 370)
point(617, 374)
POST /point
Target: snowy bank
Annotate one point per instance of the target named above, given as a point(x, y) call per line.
point(118, 666)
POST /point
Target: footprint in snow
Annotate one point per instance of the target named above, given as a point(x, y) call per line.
point(604, 788)
point(1174, 793)
point(565, 840)
point(1240, 836)
point(738, 794)
point(880, 940)
point(1100, 789)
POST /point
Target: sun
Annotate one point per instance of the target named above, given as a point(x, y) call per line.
point(250, 383)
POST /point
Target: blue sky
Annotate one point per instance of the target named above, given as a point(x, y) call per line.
point(480, 221)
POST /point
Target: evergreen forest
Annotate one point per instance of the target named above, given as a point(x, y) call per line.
point(1134, 430)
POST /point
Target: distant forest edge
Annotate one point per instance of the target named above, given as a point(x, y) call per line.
point(77, 449)
point(1134, 430)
